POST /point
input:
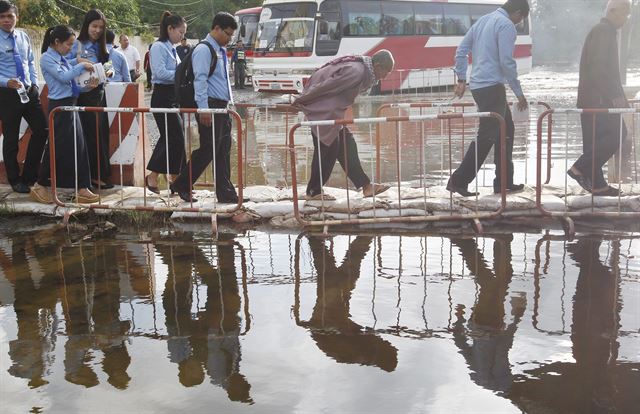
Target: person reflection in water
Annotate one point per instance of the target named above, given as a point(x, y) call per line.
point(595, 383)
point(330, 325)
point(92, 314)
point(35, 298)
point(210, 341)
point(486, 340)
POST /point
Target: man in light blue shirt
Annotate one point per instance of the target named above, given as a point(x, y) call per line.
point(118, 61)
point(212, 92)
point(18, 70)
point(491, 43)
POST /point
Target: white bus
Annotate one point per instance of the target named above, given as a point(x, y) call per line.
point(296, 37)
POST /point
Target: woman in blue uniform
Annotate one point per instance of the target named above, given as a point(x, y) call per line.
point(164, 60)
point(92, 46)
point(59, 73)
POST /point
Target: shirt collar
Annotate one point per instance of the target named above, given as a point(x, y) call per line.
point(7, 35)
point(368, 63)
point(211, 40)
point(502, 11)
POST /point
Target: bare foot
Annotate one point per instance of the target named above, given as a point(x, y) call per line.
point(370, 189)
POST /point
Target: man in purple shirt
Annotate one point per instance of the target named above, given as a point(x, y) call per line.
point(491, 42)
point(328, 94)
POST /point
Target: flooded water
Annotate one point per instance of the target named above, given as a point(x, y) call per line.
point(267, 322)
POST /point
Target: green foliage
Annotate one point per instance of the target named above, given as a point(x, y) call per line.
point(137, 17)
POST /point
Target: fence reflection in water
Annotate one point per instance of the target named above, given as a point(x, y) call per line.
point(516, 308)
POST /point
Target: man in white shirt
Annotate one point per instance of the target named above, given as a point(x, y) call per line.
point(132, 55)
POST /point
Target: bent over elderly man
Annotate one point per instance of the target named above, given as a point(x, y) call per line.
point(327, 95)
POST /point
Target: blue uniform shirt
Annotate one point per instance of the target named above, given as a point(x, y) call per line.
point(491, 42)
point(164, 60)
point(88, 50)
point(120, 66)
point(59, 73)
point(7, 62)
point(216, 86)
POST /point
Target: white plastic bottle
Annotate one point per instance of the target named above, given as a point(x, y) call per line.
point(22, 92)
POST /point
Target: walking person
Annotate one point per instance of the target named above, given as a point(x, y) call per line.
point(170, 145)
point(132, 55)
point(328, 94)
point(211, 92)
point(239, 65)
point(600, 86)
point(147, 66)
point(92, 46)
point(19, 98)
point(59, 73)
point(184, 49)
point(491, 42)
point(118, 61)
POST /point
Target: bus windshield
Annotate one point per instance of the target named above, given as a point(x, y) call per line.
point(250, 22)
point(287, 27)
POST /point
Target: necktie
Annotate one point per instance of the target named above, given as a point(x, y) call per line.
point(18, 60)
point(75, 90)
point(226, 73)
point(173, 52)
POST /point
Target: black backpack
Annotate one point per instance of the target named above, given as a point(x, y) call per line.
point(185, 94)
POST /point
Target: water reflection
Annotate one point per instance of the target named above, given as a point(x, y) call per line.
point(330, 325)
point(485, 341)
point(424, 318)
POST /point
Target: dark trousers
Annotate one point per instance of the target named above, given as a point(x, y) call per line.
point(490, 99)
point(98, 151)
point(164, 97)
point(63, 124)
point(239, 74)
point(148, 78)
point(11, 115)
point(345, 150)
point(598, 145)
point(201, 157)
point(133, 75)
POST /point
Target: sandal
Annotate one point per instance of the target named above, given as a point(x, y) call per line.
point(151, 188)
point(320, 196)
point(377, 189)
point(583, 181)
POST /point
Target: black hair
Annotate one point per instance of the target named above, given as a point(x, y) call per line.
point(91, 16)
point(111, 37)
point(512, 6)
point(167, 20)
point(224, 20)
point(5, 6)
point(60, 33)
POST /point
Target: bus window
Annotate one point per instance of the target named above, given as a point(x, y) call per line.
point(428, 18)
point(456, 19)
point(479, 10)
point(397, 18)
point(361, 18)
point(328, 28)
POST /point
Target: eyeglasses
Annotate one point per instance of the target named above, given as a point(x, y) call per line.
point(228, 34)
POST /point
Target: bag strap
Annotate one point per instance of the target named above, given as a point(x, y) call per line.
point(214, 56)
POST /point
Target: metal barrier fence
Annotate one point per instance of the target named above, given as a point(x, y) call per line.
point(140, 113)
point(475, 216)
point(449, 106)
point(590, 210)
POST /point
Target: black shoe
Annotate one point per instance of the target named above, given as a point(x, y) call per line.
point(460, 190)
point(21, 188)
point(584, 181)
point(184, 195)
point(609, 192)
point(513, 188)
point(101, 186)
point(231, 200)
point(153, 189)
